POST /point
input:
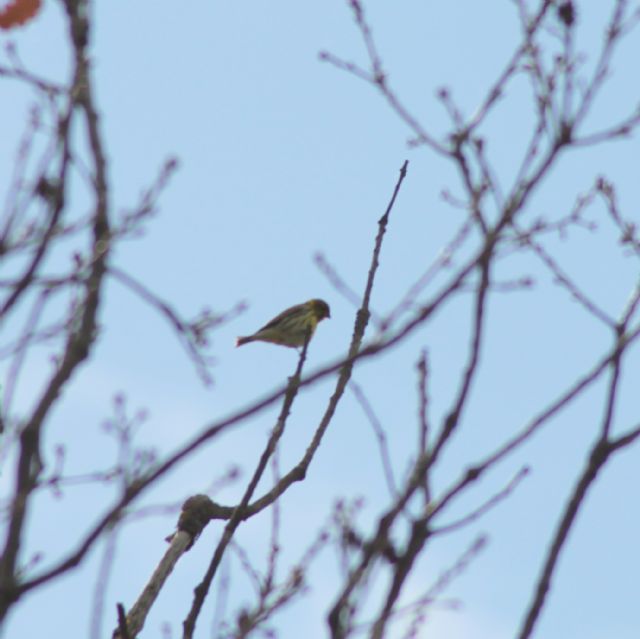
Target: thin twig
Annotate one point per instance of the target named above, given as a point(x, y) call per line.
point(381, 437)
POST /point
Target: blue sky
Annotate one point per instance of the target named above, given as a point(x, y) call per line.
point(282, 157)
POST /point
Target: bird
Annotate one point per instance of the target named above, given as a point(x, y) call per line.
point(292, 327)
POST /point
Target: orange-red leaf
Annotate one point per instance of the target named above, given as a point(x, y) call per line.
point(18, 12)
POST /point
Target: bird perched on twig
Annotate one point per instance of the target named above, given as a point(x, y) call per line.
point(292, 327)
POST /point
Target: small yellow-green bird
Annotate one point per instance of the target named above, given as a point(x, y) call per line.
point(292, 326)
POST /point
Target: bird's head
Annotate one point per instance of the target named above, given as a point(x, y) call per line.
point(320, 309)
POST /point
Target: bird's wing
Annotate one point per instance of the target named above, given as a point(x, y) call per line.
point(293, 310)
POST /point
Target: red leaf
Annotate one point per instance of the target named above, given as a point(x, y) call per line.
point(18, 12)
